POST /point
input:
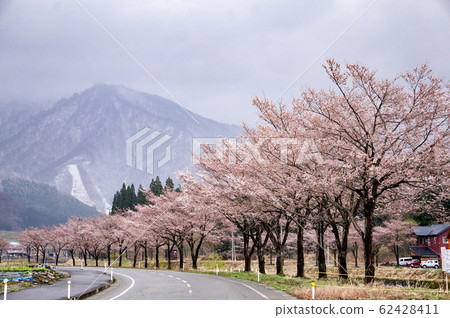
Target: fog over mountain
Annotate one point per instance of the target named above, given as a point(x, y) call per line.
point(79, 144)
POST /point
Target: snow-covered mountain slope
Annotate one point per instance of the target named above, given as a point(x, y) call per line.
point(80, 144)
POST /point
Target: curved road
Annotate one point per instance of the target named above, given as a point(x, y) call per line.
point(165, 285)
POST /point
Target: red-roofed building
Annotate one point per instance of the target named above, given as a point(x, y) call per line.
point(430, 239)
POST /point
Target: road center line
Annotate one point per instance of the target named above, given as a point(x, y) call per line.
point(126, 290)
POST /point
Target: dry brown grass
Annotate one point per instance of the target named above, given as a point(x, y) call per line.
point(368, 293)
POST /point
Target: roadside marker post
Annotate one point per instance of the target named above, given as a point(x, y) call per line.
point(68, 289)
point(446, 283)
point(111, 274)
point(5, 281)
point(258, 275)
point(105, 267)
point(183, 266)
point(217, 269)
point(313, 291)
point(81, 265)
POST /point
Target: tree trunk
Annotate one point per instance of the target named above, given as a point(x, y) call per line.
point(56, 259)
point(43, 257)
point(181, 253)
point(280, 261)
point(108, 248)
point(342, 261)
point(145, 255)
point(321, 262)
point(157, 256)
point(194, 259)
point(120, 255)
point(85, 258)
point(73, 258)
point(260, 244)
point(396, 251)
point(342, 247)
point(369, 270)
point(37, 256)
point(261, 261)
point(247, 253)
point(355, 253)
point(135, 254)
point(279, 242)
point(300, 252)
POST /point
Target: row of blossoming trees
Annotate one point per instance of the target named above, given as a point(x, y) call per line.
point(337, 161)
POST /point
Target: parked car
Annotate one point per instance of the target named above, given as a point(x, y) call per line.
point(414, 263)
point(431, 263)
point(404, 261)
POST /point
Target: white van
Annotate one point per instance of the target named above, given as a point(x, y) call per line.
point(404, 261)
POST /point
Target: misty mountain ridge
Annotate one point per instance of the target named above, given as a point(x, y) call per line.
point(79, 144)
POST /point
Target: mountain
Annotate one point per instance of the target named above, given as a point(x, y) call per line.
point(24, 203)
point(80, 144)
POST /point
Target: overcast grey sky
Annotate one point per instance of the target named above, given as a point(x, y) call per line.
point(211, 56)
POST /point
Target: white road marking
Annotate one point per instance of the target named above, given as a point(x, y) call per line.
point(126, 290)
point(190, 291)
point(184, 281)
point(169, 276)
point(188, 285)
point(259, 293)
point(178, 278)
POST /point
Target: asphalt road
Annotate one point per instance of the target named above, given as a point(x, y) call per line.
point(166, 285)
point(82, 281)
point(135, 284)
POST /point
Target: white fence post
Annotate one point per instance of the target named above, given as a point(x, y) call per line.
point(68, 289)
point(5, 281)
point(313, 296)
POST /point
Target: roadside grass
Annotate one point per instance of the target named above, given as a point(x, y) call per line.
point(22, 268)
point(333, 289)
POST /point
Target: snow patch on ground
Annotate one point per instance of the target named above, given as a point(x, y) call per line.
point(78, 190)
point(106, 206)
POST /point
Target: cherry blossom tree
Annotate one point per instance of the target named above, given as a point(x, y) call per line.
point(57, 240)
point(382, 134)
point(397, 235)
